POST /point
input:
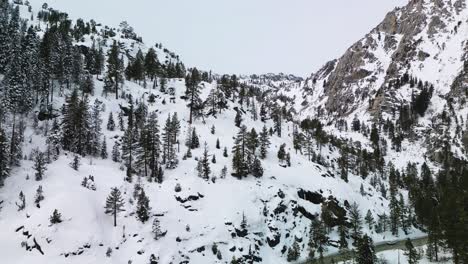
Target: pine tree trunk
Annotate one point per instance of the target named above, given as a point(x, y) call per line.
point(115, 215)
point(52, 92)
point(116, 89)
point(13, 135)
point(191, 107)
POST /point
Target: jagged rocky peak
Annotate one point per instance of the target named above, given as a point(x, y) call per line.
point(404, 42)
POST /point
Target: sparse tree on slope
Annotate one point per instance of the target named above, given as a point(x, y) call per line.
point(411, 252)
point(365, 251)
point(264, 142)
point(40, 166)
point(143, 208)
point(56, 217)
point(110, 122)
point(114, 204)
point(115, 67)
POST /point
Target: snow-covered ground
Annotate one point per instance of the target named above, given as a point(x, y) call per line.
point(204, 213)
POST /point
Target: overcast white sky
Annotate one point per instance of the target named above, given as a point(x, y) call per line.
point(242, 36)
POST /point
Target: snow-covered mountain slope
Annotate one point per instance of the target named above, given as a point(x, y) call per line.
point(426, 39)
point(253, 219)
point(272, 205)
point(378, 76)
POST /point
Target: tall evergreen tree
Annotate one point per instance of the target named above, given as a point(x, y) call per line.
point(192, 82)
point(204, 164)
point(110, 122)
point(4, 157)
point(115, 67)
point(365, 252)
point(54, 141)
point(143, 208)
point(318, 237)
point(151, 64)
point(116, 152)
point(240, 152)
point(114, 204)
point(411, 252)
point(129, 149)
point(95, 131)
point(104, 154)
point(149, 147)
point(264, 142)
point(355, 220)
point(40, 166)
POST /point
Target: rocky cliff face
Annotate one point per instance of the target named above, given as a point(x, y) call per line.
point(425, 39)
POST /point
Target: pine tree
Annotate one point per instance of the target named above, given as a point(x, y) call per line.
point(157, 232)
point(22, 201)
point(288, 159)
point(294, 252)
point(223, 172)
point(369, 219)
point(343, 233)
point(143, 208)
point(54, 141)
point(263, 113)
point(4, 157)
point(129, 149)
point(277, 117)
point(238, 119)
point(137, 67)
point(193, 91)
point(170, 132)
point(110, 122)
point(257, 170)
point(374, 136)
point(114, 204)
point(149, 147)
point(87, 85)
point(95, 124)
point(394, 214)
point(355, 220)
point(162, 85)
point(75, 164)
point(15, 94)
point(365, 252)
point(225, 152)
point(252, 141)
point(104, 154)
point(204, 164)
point(56, 217)
point(115, 67)
point(282, 153)
point(194, 140)
point(318, 237)
point(40, 166)
point(39, 196)
point(411, 252)
point(217, 144)
point(239, 158)
point(116, 152)
point(356, 124)
point(151, 64)
point(243, 224)
point(343, 163)
point(16, 141)
point(434, 240)
point(76, 124)
point(264, 142)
